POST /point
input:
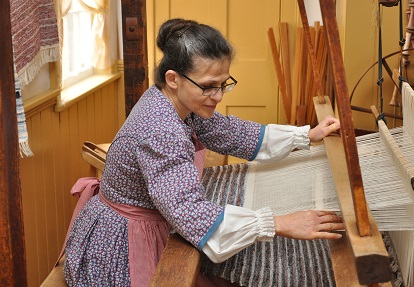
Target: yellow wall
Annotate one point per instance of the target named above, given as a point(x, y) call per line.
point(245, 24)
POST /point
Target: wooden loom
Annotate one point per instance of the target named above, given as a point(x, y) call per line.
point(360, 257)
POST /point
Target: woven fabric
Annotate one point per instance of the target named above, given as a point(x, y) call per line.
point(35, 36)
point(21, 127)
point(35, 41)
point(283, 262)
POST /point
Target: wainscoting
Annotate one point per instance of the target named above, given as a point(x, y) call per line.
point(56, 140)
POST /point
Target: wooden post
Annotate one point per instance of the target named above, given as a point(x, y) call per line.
point(345, 116)
point(134, 34)
point(12, 248)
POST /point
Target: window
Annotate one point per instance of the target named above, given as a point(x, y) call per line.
point(77, 44)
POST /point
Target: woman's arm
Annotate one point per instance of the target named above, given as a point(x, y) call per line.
point(280, 140)
point(242, 227)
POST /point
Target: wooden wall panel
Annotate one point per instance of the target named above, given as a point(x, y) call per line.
point(56, 140)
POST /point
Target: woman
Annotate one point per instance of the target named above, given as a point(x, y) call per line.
point(150, 184)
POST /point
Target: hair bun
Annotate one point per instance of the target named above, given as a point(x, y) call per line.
point(172, 28)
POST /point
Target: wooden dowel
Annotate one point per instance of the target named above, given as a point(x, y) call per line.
point(405, 167)
point(365, 110)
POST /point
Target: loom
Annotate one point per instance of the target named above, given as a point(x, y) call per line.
point(386, 159)
point(304, 181)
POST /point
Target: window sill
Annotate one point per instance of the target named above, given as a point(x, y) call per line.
point(79, 91)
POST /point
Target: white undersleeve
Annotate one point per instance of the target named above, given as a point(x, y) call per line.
point(240, 228)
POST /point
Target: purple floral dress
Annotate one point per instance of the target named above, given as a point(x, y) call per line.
point(150, 164)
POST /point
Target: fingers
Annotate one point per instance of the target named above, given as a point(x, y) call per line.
point(329, 235)
point(328, 221)
point(331, 123)
point(330, 218)
point(331, 226)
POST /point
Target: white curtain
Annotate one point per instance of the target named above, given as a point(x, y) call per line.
point(101, 57)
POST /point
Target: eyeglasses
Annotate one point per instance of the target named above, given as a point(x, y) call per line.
point(211, 91)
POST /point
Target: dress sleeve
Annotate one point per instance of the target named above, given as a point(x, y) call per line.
point(280, 140)
point(240, 228)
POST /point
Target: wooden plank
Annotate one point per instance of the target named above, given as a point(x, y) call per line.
point(371, 257)
point(12, 249)
point(49, 189)
point(38, 183)
point(345, 116)
point(179, 264)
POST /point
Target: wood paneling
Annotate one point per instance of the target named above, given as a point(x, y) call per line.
point(56, 140)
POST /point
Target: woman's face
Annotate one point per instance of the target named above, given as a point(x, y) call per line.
point(189, 97)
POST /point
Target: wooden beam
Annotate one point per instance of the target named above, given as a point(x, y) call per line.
point(343, 264)
point(134, 34)
point(12, 247)
point(345, 115)
point(179, 264)
point(371, 257)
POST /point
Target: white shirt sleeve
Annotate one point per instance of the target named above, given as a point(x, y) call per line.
point(240, 228)
point(280, 140)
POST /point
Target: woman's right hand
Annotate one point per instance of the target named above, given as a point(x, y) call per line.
point(309, 224)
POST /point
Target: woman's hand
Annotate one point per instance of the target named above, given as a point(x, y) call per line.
point(309, 224)
point(327, 126)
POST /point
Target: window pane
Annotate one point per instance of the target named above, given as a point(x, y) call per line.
point(77, 44)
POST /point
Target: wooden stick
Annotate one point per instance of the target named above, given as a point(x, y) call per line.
point(345, 115)
point(285, 55)
point(279, 74)
point(404, 166)
point(316, 75)
point(296, 68)
point(311, 87)
point(301, 83)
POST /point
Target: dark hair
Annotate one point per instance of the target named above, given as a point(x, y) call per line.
point(182, 40)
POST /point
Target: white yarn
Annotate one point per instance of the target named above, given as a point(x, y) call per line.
point(303, 181)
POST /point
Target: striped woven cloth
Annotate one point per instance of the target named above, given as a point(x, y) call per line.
point(283, 262)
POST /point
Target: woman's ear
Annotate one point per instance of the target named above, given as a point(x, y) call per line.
point(171, 78)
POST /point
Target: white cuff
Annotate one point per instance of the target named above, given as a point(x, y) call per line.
point(240, 228)
point(280, 140)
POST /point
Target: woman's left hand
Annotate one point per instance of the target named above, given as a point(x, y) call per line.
point(325, 127)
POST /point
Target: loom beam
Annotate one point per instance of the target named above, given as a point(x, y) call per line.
point(345, 116)
point(370, 255)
